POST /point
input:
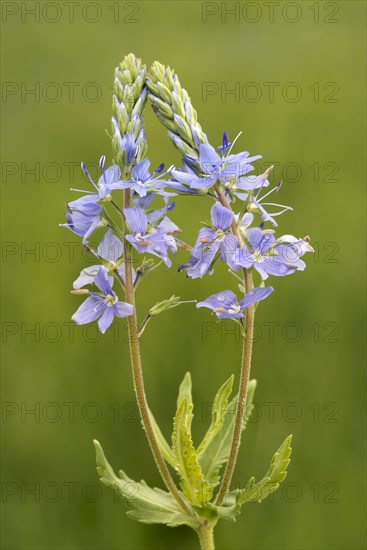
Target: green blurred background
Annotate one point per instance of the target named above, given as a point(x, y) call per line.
point(310, 371)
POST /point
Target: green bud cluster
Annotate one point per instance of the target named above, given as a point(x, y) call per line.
point(174, 109)
point(129, 100)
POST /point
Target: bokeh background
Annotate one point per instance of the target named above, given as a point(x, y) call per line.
point(309, 347)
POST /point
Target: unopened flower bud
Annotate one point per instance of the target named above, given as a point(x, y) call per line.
point(160, 307)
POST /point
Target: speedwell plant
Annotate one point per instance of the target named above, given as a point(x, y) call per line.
point(131, 206)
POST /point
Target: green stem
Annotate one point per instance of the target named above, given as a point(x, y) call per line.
point(242, 395)
point(206, 536)
point(139, 381)
point(244, 375)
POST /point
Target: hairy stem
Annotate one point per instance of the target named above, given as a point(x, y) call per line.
point(242, 396)
point(139, 380)
point(245, 371)
point(206, 536)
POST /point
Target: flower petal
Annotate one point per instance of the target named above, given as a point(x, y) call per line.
point(136, 220)
point(202, 183)
point(123, 309)
point(255, 295)
point(228, 248)
point(221, 216)
point(86, 276)
point(141, 171)
point(102, 282)
point(243, 257)
point(273, 265)
point(89, 311)
point(254, 236)
point(110, 248)
point(110, 175)
point(224, 299)
point(208, 158)
point(106, 319)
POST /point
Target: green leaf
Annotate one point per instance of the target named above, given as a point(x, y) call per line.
point(144, 504)
point(217, 452)
point(272, 479)
point(218, 414)
point(257, 492)
point(185, 391)
point(162, 442)
point(193, 483)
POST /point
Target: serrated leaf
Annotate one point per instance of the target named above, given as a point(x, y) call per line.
point(218, 414)
point(144, 504)
point(193, 483)
point(162, 442)
point(217, 452)
point(257, 492)
point(273, 477)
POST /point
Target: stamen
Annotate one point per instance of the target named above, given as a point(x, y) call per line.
point(84, 168)
point(81, 191)
point(233, 142)
point(102, 161)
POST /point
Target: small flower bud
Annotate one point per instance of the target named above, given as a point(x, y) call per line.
point(160, 307)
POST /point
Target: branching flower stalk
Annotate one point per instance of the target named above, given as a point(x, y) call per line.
point(120, 206)
point(129, 147)
point(248, 336)
point(139, 381)
point(174, 109)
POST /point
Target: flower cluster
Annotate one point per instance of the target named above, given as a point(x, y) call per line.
point(240, 239)
point(148, 231)
point(97, 212)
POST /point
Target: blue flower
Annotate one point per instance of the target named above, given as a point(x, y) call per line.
point(293, 250)
point(213, 167)
point(225, 305)
point(83, 217)
point(103, 306)
point(210, 241)
point(154, 240)
point(182, 178)
point(104, 187)
point(142, 182)
point(267, 256)
point(109, 250)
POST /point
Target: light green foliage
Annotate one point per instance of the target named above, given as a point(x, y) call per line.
point(162, 442)
point(144, 503)
point(194, 485)
point(185, 392)
point(257, 492)
point(198, 468)
point(216, 453)
point(219, 410)
point(273, 477)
